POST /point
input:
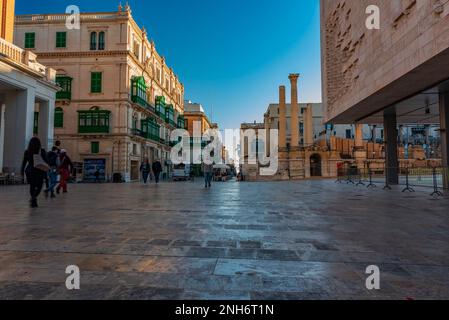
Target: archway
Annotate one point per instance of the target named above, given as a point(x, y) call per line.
point(315, 165)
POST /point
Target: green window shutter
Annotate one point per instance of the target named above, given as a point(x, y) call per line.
point(101, 40)
point(94, 147)
point(30, 42)
point(95, 84)
point(93, 41)
point(61, 39)
point(59, 118)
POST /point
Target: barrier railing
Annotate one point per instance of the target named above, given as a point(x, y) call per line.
point(409, 178)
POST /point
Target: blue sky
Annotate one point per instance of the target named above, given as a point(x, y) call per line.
point(231, 55)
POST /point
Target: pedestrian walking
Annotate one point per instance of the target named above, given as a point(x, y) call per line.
point(53, 162)
point(35, 167)
point(145, 169)
point(65, 168)
point(157, 169)
point(97, 175)
point(208, 170)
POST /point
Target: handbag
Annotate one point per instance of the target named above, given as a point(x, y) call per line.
point(39, 163)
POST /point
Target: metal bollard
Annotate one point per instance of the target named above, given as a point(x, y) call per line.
point(435, 192)
point(360, 182)
point(407, 184)
point(371, 184)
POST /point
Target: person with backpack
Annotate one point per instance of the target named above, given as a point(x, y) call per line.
point(53, 162)
point(65, 168)
point(157, 169)
point(35, 167)
point(145, 169)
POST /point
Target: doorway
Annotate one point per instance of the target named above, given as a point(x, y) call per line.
point(315, 166)
point(135, 170)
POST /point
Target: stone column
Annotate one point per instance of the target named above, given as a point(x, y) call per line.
point(282, 118)
point(46, 123)
point(391, 146)
point(444, 135)
point(2, 134)
point(19, 113)
point(267, 134)
point(308, 126)
point(359, 149)
point(294, 111)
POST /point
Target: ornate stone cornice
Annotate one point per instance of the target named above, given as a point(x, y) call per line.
point(76, 54)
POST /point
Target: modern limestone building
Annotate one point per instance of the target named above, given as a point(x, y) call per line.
point(25, 86)
point(120, 100)
point(395, 75)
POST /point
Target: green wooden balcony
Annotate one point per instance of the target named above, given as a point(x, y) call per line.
point(93, 121)
point(65, 83)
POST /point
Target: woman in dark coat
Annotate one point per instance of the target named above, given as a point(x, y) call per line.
point(35, 177)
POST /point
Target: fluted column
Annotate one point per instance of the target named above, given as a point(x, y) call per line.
point(294, 110)
point(359, 148)
point(444, 132)
point(2, 133)
point(282, 118)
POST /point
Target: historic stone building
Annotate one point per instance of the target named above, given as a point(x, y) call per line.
point(308, 147)
point(396, 75)
point(25, 86)
point(194, 113)
point(119, 99)
point(300, 156)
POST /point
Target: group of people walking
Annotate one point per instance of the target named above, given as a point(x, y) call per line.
point(146, 169)
point(40, 167)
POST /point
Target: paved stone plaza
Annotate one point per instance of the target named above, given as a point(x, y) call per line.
point(288, 240)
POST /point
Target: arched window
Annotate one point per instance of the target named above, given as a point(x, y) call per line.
point(93, 41)
point(101, 40)
point(59, 117)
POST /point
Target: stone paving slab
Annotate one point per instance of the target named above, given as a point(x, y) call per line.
point(287, 240)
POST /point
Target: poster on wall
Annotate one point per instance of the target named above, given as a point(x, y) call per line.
point(95, 170)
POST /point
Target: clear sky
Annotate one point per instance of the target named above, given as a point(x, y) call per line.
point(231, 55)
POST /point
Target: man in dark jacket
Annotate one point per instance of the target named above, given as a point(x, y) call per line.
point(145, 169)
point(157, 169)
point(35, 175)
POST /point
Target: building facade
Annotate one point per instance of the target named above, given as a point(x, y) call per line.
point(194, 114)
point(7, 19)
point(25, 86)
point(119, 100)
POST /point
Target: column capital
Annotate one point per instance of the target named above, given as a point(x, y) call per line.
point(293, 76)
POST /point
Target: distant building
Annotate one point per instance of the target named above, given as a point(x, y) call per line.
point(194, 112)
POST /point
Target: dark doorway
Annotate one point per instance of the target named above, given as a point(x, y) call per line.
point(315, 165)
